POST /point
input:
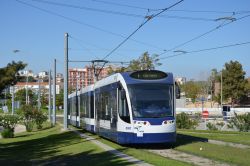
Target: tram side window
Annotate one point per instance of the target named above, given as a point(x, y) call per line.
point(73, 112)
point(82, 113)
point(69, 106)
point(91, 106)
point(123, 107)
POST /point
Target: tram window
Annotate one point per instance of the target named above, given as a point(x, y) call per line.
point(123, 107)
point(92, 106)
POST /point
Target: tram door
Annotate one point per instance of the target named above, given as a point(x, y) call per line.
point(113, 113)
point(97, 110)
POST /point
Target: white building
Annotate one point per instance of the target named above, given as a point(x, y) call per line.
point(43, 74)
point(180, 80)
point(26, 73)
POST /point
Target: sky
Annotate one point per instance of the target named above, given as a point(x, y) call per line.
point(96, 27)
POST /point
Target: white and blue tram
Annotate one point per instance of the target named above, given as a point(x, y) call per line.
point(128, 108)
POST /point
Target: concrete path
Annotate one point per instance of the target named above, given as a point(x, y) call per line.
point(235, 145)
point(217, 142)
point(112, 150)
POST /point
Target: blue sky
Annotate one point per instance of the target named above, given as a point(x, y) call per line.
point(38, 32)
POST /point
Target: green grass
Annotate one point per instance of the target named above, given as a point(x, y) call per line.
point(235, 137)
point(218, 152)
point(53, 147)
point(191, 141)
point(140, 153)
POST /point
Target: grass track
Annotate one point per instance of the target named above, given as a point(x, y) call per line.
point(52, 147)
point(235, 137)
point(218, 152)
point(141, 154)
point(191, 141)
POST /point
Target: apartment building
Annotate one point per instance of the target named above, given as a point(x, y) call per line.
point(81, 77)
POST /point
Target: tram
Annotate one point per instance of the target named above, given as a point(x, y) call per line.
point(128, 108)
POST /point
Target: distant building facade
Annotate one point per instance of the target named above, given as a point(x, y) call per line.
point(34, 86)
point(181, 80)
point(81, 77)
point(59, 78)
point(42, 74)
point(26, 73)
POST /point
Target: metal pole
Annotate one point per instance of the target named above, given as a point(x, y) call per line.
point(221, 90)
point(26, 88)
point(50, 95)
point(39, 95)
point(76, 98)
point(13, 101)
point(65, 106)
point(54, 94)
point(5, 96)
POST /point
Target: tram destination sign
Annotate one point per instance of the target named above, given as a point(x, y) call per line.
point(148, 75)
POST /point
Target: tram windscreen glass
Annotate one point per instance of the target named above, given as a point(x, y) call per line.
point(148, 75)
point(151, 100)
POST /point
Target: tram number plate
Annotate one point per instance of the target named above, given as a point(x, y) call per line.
point(139, 134)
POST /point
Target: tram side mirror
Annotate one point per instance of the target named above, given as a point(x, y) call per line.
point(177, 91)
point(123, 94)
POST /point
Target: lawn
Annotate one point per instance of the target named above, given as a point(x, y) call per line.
point(189, 144)
point(53, 147)
point(227, 136)
point(194, 142)
point(235, 156)
point(141, 152)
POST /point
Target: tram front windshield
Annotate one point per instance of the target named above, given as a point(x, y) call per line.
point(151, 100)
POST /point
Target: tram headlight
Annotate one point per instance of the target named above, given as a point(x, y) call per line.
point(146, 123)
point(168, 122)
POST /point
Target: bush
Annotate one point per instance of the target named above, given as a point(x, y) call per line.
point(7, 133)
point(211, 126)
point(184, 122)
point(40, 118)
point(9, 123)
point(241, 122)
point(32, 116)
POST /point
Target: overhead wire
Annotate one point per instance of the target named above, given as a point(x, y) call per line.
point(206, 49)
point(172, 10)
point(203, 34)
point(81, 41)
point(149, 18)
point(124, 5)
point(120, 13)
point(87, 49)
point(88, 25)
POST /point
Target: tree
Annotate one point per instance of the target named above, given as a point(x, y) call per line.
point(144, 62)
point(9, 74)
point(59, 98)
point(212, 79)
point(21, 96)
point(234, 82)
point(191, 89)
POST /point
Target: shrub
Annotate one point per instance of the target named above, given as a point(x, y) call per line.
point(40, 118)
point(211, 126)
point(221, 124)
point(7, 133)
point(28, 117)
point(32, 116)
point(9, 123)
point(241, 122)
point(184, 122)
